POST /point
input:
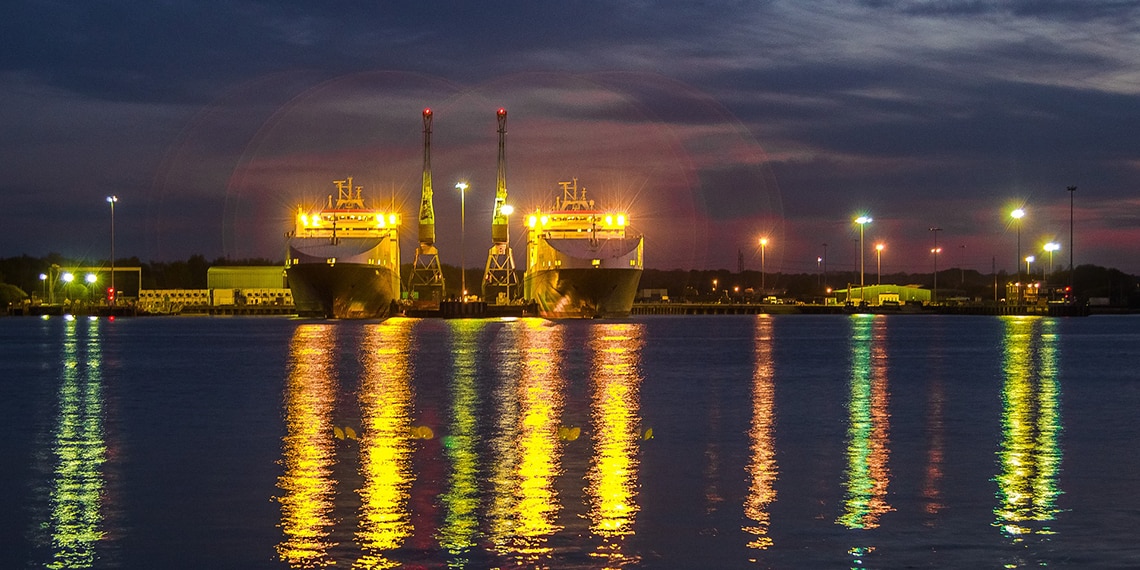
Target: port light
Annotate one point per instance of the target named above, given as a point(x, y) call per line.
point(545, 220)
point(532, 221)
point(621, 220)
point(609, 219)
point(393, 219)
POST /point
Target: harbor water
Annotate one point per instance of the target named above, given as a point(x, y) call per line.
point(789, 441)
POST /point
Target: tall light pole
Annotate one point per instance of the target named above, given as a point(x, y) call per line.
point(879, 262)
point(825, 266)
point(1029, 272)
point(763, 246)
point(862, 221)
point(1017, 215)
point(1050, 248)
point(114, 294)
point(1072, 190)
point(935, 250)
point(462, 186)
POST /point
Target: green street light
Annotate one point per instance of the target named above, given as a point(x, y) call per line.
point(1017, 215)
point(1050, 248)
point(862, 221)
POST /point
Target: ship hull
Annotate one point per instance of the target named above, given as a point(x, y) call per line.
point(604, 293)
point(349, 279)
point(579, 278)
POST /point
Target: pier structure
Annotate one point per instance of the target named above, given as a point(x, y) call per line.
point(500, 282)
point(425, 284)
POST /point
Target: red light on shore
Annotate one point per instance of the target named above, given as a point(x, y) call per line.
point(502, 111)
point(427, 112)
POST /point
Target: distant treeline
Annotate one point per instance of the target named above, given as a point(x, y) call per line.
point(21, 275)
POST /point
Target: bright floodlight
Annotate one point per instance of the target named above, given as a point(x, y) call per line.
point(68, 277)
point(112, 199)
point(1051, 247)
point(507, 209)
point(1017, 214)
point(879, 247)
point(1030, 259)
point(91, 278)
point(863, 220)
point(461, 186)
point(764, 241)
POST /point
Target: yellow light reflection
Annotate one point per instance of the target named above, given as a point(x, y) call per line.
point(308, 450)
point(612, 477)
point(932, 479)
point(1030, 454)
point(80, 451)
point(868, 441)
point(461, 500)
point(525, 503)
point(762, 468)
point(386, 445)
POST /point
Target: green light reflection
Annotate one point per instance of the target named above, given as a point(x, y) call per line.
point(80, 451)
point(1030, 455)
point(867, 474)
point(461, 500)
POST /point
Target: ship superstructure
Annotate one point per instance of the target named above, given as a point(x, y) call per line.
point(582, 261)
point(344, 260)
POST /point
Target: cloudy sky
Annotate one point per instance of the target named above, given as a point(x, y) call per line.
point(713, 123)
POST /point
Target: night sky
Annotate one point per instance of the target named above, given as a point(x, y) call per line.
point(713, 123)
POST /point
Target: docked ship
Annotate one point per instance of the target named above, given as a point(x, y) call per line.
point(582, 262)
point(344, 261)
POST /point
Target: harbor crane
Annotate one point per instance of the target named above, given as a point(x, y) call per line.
point(425, 284)
point(499, 277)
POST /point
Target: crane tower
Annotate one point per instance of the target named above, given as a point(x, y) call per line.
point(426, 281)
point(499, 277)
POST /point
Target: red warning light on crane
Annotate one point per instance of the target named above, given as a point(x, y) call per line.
point(502, 111)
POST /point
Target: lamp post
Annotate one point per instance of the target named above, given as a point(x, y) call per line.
point(114, 294)
point(1072, 190)
point(862, 221)
point(879, 262)
point(824, 265)
point(462, 186)
point(1050, 247)
point(763, 246)
point(43, 277)
point(507, 210)
point(1017, 215)
point(1029, 259)
point(936, 250)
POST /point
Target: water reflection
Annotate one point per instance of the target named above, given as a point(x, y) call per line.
point(308, 451)
point(1030, 455)
point(762, 467)
point(461, 500)
point(524, 504)
point(868, 441)
point(386, 444)
point(76, 520)
point(612, 477)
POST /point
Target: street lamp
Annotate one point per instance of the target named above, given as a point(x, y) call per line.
point(112, 200)
point(763, 245)
point(1050, 247)
point(43, 277)
point(935, 251)
point(879, 262)
point(462, 186)
point(1028, 274)
point(862, 221)
point(1017, 215)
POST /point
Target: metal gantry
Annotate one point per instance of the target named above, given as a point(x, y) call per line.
point(499, 277)
point(426, 281)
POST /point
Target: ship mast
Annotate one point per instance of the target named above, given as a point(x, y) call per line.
point(425, 284)
point(499, 275)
